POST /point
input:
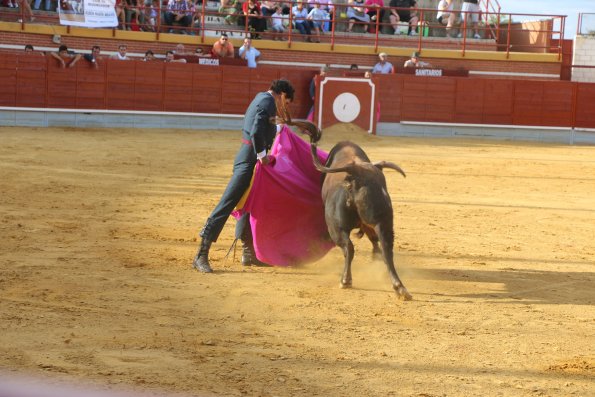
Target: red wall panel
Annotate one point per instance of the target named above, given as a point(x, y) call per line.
point(585, 106)
point(36, 81)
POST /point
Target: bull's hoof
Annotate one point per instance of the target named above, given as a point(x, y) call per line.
point(346, 284)
point(403, 294)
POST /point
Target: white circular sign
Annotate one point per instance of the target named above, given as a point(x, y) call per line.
point(346, 107)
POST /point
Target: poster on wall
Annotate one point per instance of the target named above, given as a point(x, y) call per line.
point(88, 13)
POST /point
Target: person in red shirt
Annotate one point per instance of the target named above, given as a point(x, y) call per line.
point(223, 48)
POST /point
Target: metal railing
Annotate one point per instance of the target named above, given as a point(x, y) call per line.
point(586, 24)
point(207, 18)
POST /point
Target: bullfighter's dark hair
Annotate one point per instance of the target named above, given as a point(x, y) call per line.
point(283, 86)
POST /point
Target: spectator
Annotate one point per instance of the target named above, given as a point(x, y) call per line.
point(249, 53)
point(120, 14)
point(28, 48)
point(407, 13)
point(169, 57)
point(300, 17)
point(267, 8)
point(149, 56)
point(180, 50)
point(199, 52)
point(383, 66)
point(328, 7)
point(354, 67)
point(375, 11)
point(66, 57)
point(256, 24)
point(313, 84)
point(277, 24)
point(121, 54)
point(130, 10)
point(229, 8)
point(415, 62)
point(94, 56)
point(317, 17)
point(48, 5)
point(26, 7)
point(150, 18)
point(178, 12)
point(470, 12)
point(357, 14)
point(446, 15)
point(222, 47)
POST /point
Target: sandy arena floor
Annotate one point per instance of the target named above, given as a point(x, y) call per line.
point(495, 240)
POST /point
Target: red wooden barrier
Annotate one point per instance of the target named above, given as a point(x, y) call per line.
point(36, 81)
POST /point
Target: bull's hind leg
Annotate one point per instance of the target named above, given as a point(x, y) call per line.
point(348, 252)
point(386, 241)
point(373, 237)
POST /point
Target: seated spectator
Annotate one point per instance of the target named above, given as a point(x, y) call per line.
point(120, 14)
point(406, 13)
point(383, 66)
point(149, 56)
point(26, 7)
point(169, 57)
point(354, 67)
point(300, 18)
point(132, 12)
point(178, 12)
point(200, 53)
point(48, 5)
point(277, 25)
point(470, 12)
point(181, 50)
point(317, 17)
point(66, 57)
point(229, 8)
point(415, 62)
point(94, 56)
point(223, 47)
point(150, 15)
point(249, 53)
point(357, 13)
point(375, 11)
point(256, 24)
point(28, 48)
point(267, 8)
point(121, 54)
point(446, 14)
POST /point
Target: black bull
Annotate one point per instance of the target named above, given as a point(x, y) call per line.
point(355, 196)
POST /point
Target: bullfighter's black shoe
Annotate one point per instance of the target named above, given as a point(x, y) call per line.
point(249, 257)
point(201, 260)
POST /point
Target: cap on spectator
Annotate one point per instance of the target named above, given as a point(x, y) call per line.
point(62, 48)
point(415, 55)
point(382, 55)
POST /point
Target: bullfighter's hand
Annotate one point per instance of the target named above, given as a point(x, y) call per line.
point(268, 160)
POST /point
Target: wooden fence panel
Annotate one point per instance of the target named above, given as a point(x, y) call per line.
point(8, 71)
point(61, 85)
point(149, 86)
point(469, 101)
point(585, 105)
point(177, 88)
point(528, 103)
point(91, 85)
point(121, 76)
point(498, 102)
point(235, 89)
point(32, 79)
point(390, 96)
point(206, 89)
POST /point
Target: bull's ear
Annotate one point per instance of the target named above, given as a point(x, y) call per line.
point(387, 164)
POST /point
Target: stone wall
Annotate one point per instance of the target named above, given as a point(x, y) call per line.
point(584, 55)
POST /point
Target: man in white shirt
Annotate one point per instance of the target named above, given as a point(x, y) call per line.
point(446, 14)
point(249, 53)
point(383, 67)
point(121, 54)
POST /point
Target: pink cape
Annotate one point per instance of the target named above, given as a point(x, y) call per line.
point(285, 205)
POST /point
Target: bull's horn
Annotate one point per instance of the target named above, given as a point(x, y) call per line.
point(388, 164)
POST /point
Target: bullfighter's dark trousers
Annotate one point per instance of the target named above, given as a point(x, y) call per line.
point(243, 168)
